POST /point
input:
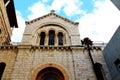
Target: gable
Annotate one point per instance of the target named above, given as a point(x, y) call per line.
point(49, 19)
point(49, 22)
point(51, 15)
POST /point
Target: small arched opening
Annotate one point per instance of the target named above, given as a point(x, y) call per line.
point(51, 37)
point(42, 38)
point(60, 38)
point(99, 71)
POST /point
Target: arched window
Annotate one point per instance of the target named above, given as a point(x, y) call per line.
point(51, 37)
point(50, 73)
point(60, 38)
point(2, 67)
point(42, 38)
point(99, 71)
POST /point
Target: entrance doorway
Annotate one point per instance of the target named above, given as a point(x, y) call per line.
point(50, 73)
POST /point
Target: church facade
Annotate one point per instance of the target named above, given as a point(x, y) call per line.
point(50, 49)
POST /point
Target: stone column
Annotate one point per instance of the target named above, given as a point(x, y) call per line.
point(46, 39)
point(56, 39)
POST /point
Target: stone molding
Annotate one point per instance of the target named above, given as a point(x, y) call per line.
point(38, 69)
point(47, 15)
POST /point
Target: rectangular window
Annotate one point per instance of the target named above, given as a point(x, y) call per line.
point(117, 64)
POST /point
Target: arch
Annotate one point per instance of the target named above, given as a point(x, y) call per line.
point(64, 30)
point(50, 73)
point(2, 67)
point(53, 23)
point(51, 65)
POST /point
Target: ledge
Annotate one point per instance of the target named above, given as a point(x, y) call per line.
point(8, 47)
point(46, 47)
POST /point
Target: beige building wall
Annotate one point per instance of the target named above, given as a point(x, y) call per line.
point(25, 60)
point(8, 56)
point(54, 22)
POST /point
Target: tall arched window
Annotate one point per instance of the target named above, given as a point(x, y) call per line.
point(2, 67)
point(99, 71)
point(60, 38)
point(42, 38)
point(51, 37)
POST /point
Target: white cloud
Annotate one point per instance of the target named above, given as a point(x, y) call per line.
point(102, 23)
point(37, 10)
point(17, 33)
point(98, 26)
point(58, 4)
point(70, 7)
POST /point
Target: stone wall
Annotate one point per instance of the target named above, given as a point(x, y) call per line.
point(24, 62)
point(48, 22)
point(8, 55)
point(29, 59)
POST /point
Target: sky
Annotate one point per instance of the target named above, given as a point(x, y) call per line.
point(98, 19)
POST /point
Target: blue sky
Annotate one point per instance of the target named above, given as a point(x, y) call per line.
point(98, 19)
point(86, 5)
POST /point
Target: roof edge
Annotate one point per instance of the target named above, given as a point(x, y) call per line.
point(12, 14)
point(51, 13)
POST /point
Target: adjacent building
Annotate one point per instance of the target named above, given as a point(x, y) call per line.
point(112, 55)
point(7, 20)
point(51, 49)
point(116, 3)
point(112, 51)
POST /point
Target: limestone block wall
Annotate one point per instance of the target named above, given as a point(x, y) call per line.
point(82, 64)
point(8, 56)
point(24, 62)
point(28, 60)
point(73, 60)
point(32, 27)
point(22, 68)
point(99, 58)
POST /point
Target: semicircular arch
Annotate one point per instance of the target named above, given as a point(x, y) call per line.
point(51, 23)
point(60, 68)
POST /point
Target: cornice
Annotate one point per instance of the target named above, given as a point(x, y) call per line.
point(50, 47)
point(47, 15)
point(2, 47)
point(43, 47)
